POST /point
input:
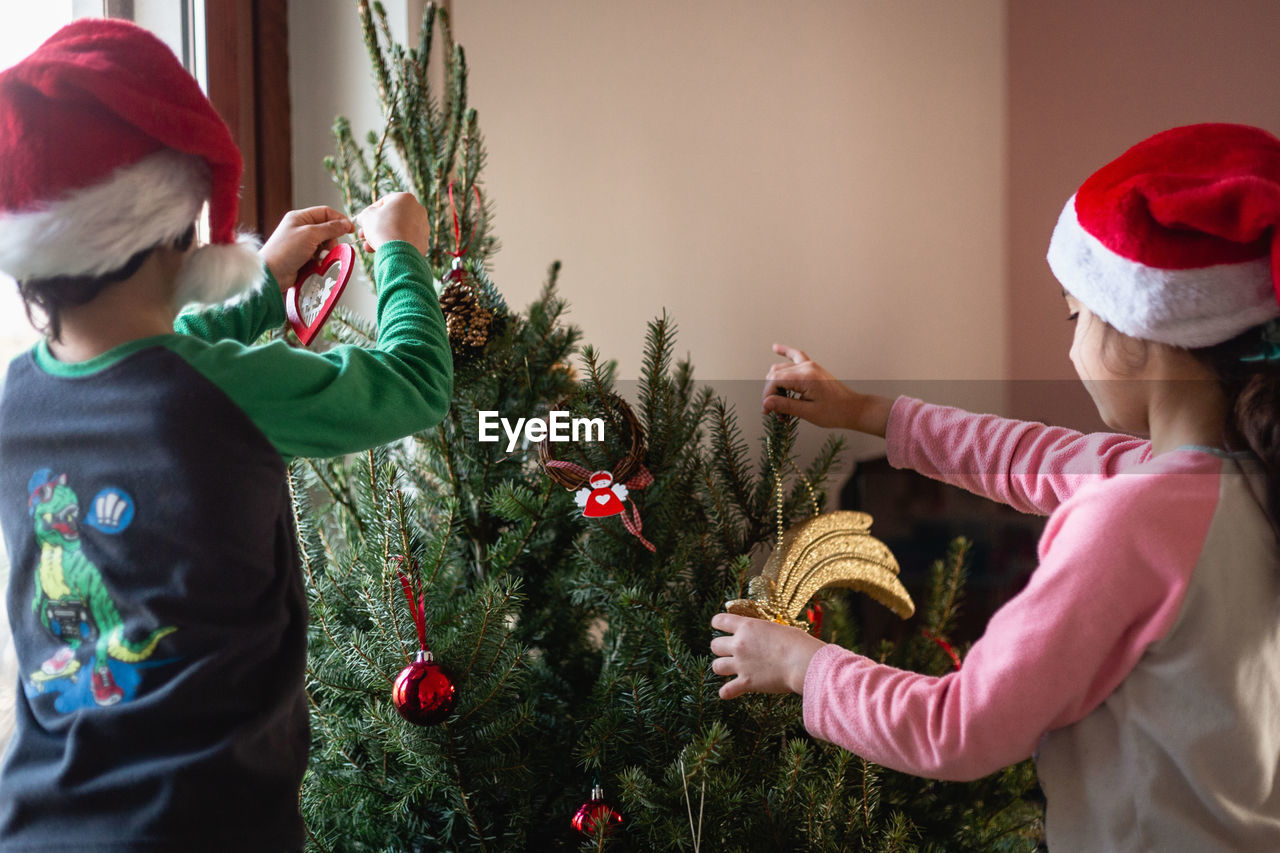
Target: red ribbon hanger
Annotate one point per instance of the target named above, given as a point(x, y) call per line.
point(457, 224)
point(417, 607)
point(944, 645)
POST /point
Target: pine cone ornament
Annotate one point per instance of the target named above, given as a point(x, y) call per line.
point(467, 320)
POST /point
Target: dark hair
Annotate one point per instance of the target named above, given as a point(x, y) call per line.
point(52, 295)
point(1252, 390)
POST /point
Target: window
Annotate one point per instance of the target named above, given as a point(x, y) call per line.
point(179, 23)
point(248, 61)
point(236, 49)
point(26, 26)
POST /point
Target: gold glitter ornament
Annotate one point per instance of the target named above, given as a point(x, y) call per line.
point(834, 549)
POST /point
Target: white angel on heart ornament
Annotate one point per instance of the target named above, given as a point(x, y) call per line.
point(603, 497)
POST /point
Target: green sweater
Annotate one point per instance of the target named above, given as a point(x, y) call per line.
point(317, 404)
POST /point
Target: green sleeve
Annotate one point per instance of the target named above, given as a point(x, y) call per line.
point(244, 319)
point(348, 398)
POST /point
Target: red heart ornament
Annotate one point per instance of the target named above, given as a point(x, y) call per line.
point(310, 301)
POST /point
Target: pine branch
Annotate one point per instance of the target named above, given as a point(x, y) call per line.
point(731, 455)
point(948, 582)
point(477, 833)
point(654, 367)
point(334, 493)
point(456, 107)
point(351, 328)
point(869, 801)
point(593, 653)
point(381, 73)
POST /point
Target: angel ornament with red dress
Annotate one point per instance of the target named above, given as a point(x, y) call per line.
point(601, 494)
point(603, 497)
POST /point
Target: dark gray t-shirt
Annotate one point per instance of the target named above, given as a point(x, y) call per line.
point(155, 594)
point(158, 615)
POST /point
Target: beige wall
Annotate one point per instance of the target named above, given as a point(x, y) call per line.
point(875, 182)
point(329, 75)
point(1086, 80)
point(824, 173)
point(827, 174)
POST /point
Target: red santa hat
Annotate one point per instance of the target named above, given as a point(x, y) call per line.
point(107, 148)
point(1175, 241)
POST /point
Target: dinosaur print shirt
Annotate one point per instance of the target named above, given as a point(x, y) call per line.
point(155, 594)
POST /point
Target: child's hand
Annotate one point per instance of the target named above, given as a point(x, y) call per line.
point(765, 656)
point(301, 235)
point(398, 216)
point(824, 400)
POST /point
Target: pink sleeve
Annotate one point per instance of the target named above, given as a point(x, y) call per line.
point(1027, 465)
point(1109, 584)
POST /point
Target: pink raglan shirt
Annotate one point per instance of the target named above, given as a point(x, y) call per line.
point(1093, 662)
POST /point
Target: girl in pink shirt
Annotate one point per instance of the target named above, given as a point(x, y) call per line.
point(1141, 664)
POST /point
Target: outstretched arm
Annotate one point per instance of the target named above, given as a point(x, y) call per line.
point(822, 399)
point(1030, 466)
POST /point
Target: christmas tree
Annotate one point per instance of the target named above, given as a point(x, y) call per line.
point(568, 701)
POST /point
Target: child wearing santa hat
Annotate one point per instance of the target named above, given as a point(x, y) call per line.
point(155, 594)
point(1141, 664)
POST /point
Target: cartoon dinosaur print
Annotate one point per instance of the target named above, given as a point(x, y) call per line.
point(71, 600)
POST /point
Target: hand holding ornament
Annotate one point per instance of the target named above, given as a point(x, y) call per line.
point(301, 236)
point(764, 656)
point(765, 649)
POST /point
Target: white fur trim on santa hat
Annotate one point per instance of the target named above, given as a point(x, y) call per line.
point(216, 272)
point(1186, 308)
point(95, 230)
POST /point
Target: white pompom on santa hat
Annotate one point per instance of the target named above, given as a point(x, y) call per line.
point(1175, 241)
point(108, 148)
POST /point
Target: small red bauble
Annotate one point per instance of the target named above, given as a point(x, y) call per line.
point(813, 615)
point(423, 692)
point(596, 813)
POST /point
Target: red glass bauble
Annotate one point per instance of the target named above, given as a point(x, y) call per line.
point(423, 692)
point(596, 813)
point(813, 614)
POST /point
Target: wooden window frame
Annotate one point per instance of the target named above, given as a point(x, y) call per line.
point(247, 60)
point(247, 71)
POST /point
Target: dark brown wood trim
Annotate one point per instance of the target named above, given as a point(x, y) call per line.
point(118, 9)
point(275, 140)
point(248, 67)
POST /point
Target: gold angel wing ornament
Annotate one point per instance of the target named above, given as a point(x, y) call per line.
point(835, 549)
